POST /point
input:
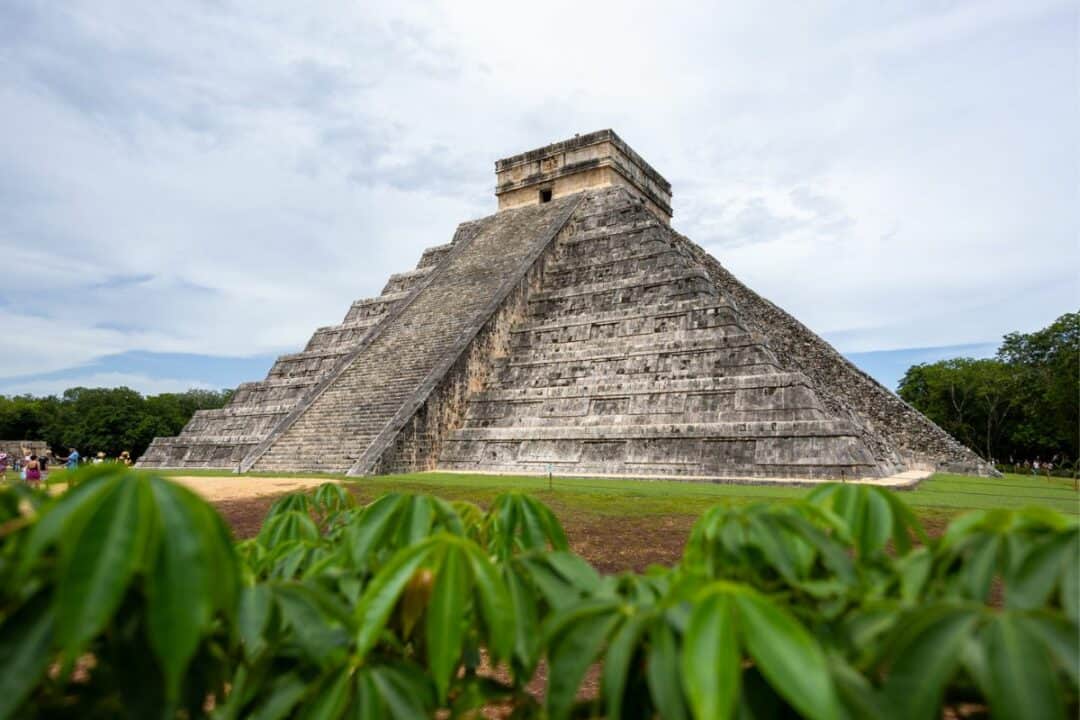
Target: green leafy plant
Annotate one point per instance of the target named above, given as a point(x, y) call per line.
point(126, 597)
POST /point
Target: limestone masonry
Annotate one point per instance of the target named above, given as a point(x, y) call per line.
point(573, 331)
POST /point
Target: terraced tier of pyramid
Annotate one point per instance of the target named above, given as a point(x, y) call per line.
point(573, 332)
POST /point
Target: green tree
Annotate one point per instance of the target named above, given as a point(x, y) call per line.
point(1047, 363)
point(106, 420)
point(1024, 403)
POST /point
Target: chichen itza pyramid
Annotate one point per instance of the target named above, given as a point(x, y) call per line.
point(573, 331)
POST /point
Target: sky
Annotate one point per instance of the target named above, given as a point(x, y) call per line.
point(189, 189)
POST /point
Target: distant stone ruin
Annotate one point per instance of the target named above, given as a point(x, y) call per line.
point(18, 449)
point(573, 332)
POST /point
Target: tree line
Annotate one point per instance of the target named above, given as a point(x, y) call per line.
point(1021, 405)
point(108, 420)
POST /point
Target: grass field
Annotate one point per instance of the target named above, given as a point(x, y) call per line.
point(940, 496)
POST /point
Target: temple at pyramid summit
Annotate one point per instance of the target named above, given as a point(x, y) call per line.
point(573, 332)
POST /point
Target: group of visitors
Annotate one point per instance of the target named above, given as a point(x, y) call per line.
point(1036, 467)
point(33, 469)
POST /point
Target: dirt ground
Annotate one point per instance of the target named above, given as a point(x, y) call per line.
point(611, 544)
point(216, 489)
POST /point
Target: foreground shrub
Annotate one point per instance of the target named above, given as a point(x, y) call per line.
point(126, 597)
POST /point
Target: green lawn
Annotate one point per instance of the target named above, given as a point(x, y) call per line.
point(940, 496)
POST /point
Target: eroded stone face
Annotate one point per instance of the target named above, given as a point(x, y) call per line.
point(580, 335)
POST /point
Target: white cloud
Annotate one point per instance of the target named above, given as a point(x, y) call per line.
point(142, 383)
point(222, 180)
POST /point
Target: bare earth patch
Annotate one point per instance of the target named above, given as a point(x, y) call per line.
point(239, 487)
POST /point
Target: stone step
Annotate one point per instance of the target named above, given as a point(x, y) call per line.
point(669, 342)
point(405, 281)
point(698, 309)
point(575, 376)
point(434, 255)
point(275, 383)
point(712, 430)
point(374, 307)
point(650, 386)
point(617, 269)
point(243, 411)
point(644, 278)
point(589, 416)
point(356, 408)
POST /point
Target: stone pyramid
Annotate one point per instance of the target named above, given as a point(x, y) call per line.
point(574, 332)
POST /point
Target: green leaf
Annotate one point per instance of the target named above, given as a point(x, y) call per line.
point(787, 655)
point(1023, 683)
point(288, 526)
point(416, 520)
point(978, 570)
point(1070, 585)
point(833, 554)
point(877, 524)
point(179, 602)
point(100, 561)
point(25, 644)
point(525, 622)
point(256, 606)
point(857, 695)
point(1061, 639)
point(365, 534)
point(914, 570)
point(317, 626)
point(403, 692)
point(329, 697)
point(574, 641)
point(662, 672)
point(925, 659)
point(495, 603)
point(445, 622)
point(1040, 572)
point(577, 572)
point(903, 521)
point(557, 590)
point(711, 663)
point(776, 546)
point(382, 593)
point(617, 662)
point(285, 693)
point(66, 516)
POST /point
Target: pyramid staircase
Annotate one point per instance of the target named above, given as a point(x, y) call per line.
point(223, 437)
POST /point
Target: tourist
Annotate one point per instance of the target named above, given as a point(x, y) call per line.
point(33, 471)
point(3, 466)
point(1035, 467)
point(43, 465)
point(72, 460)
point(125, 457)
point(100, 458)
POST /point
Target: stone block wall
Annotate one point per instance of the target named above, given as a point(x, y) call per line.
point(896, 432)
